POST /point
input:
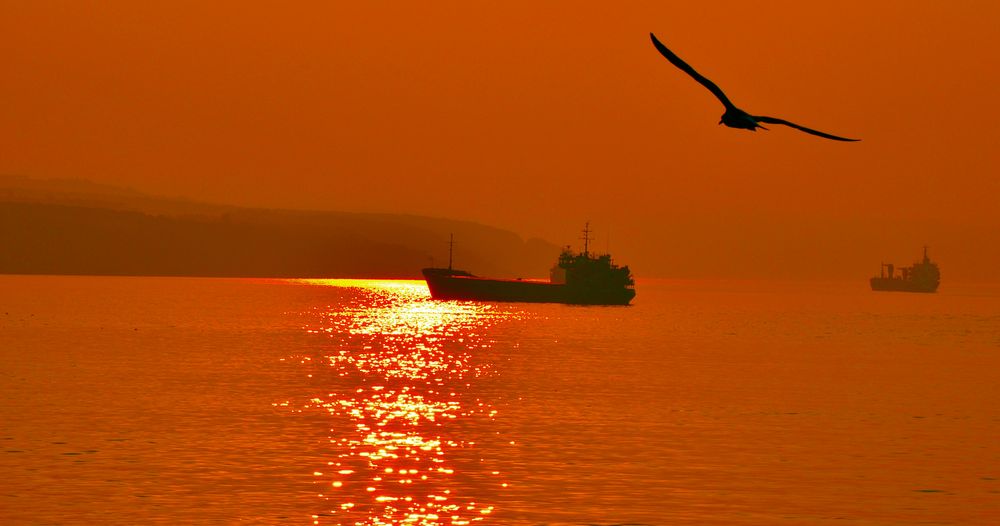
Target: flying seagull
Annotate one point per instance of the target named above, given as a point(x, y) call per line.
point(733, 117)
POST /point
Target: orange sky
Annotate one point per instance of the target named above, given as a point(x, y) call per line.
point(536, 116)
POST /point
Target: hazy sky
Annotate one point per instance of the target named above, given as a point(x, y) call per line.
point(537, 116)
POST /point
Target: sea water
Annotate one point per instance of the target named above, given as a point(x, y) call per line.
point(177, 400)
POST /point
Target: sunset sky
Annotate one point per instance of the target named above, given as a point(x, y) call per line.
point(537, 116)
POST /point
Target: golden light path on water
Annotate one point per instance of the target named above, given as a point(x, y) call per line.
point(401, 393)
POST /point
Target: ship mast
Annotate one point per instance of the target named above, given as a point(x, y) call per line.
point(586, 238)
point(451, 248)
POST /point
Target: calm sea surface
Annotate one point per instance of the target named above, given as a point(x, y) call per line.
point(223, 401)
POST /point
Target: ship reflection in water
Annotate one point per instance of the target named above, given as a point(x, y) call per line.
point(399, 385)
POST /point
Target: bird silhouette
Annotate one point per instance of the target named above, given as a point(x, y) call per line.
point(734, 117)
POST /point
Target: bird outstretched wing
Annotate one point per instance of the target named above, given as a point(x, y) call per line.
point(675, 60)
point(772, 120)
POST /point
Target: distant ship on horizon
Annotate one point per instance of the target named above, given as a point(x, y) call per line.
point(923, 276)
point(580, 278)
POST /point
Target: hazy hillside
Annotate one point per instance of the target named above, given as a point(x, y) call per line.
point(76, 227)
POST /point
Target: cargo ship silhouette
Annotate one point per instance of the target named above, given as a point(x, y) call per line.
point(578, 278)
point(923, 276)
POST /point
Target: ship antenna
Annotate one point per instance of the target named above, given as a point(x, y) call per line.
point(451, 248)
point(586, 238)
point(925, 254)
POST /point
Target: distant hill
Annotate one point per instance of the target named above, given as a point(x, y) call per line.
point(78, 227)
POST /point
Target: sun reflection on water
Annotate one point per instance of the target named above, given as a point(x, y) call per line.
point(401, 394)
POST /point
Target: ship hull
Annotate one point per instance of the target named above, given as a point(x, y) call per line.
point(457, 285)
point(901, 285)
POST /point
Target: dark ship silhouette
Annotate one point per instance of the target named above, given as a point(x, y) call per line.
point(923, 276)
point(576, 278)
